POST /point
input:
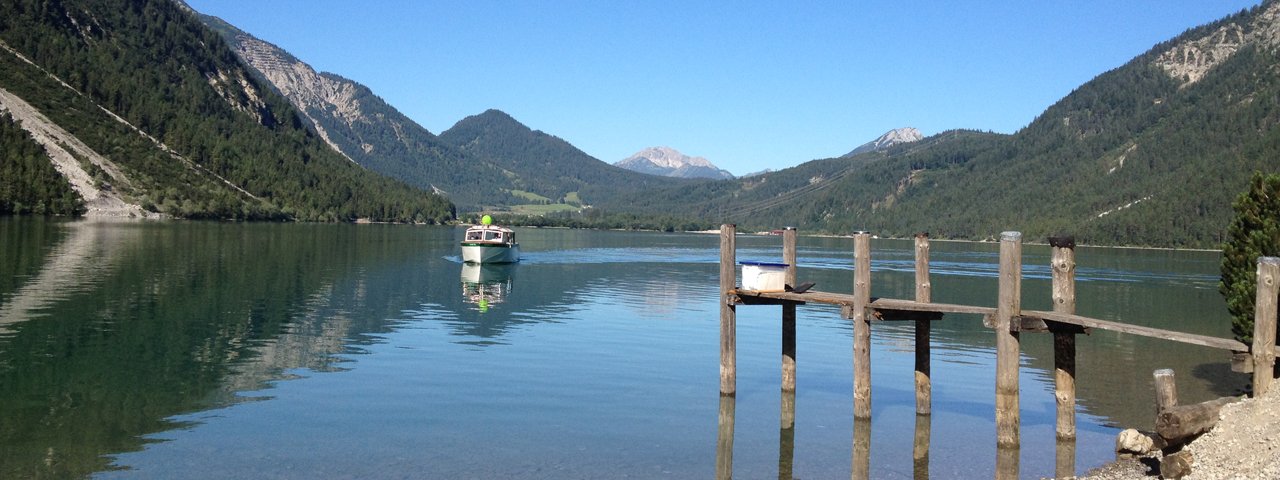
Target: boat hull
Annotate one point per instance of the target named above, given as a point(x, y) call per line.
point(482, 253)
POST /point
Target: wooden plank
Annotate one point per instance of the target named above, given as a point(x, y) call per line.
point(748, 297)
point(909, 315)
point(861, 326)
point(728, 311)
point(909, 305)
point(1190, 338)
point(1008, 414)
point(1264, 325)
point(1063, 264)
point(789, 313)
point(924, 387)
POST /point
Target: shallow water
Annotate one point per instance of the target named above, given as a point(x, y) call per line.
point(206, 350)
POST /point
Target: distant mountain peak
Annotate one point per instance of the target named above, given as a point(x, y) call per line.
point(669, 162)
point(892, 137)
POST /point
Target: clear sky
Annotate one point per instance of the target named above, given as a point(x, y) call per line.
point(749, 85)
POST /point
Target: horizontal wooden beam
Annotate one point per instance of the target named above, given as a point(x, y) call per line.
point(1030, 320)
point(903, 315)
point(1190, 338)
point(747, 297)
point(908, 305)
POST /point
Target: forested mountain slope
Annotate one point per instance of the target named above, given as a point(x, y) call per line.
point(545, 164)
point(159, 113)
point(1151, 153)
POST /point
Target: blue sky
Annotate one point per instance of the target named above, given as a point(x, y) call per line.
point(748, 85)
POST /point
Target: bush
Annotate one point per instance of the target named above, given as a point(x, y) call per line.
point(1255, 232)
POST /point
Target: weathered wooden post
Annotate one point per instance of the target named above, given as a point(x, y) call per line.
point(1008, 309)
point(1264, 325)
point(924, 389)
point(1064, 342)
point(789, 313)
point(728, 312)
point(1166, 389)
point(861, 325)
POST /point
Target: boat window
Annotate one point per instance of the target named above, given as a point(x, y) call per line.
point(492, 235)
point(473, 235)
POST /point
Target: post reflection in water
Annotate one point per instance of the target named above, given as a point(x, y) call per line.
point(1066, 461)
point(1007, 462)
point(920, 450)
point(486, 285)
point(861, 449)
point(787, 435)
point(724, 439)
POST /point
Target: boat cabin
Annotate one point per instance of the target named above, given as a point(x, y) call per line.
point(494, 235)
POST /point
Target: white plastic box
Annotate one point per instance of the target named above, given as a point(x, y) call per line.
point(764, 276)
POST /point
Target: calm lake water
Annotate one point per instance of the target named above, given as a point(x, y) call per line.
point(209, 350)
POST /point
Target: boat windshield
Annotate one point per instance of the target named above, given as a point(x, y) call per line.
point(491, 235)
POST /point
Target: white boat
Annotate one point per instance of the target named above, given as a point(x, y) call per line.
point(488, 243)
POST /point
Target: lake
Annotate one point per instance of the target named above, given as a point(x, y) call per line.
point(224, 350)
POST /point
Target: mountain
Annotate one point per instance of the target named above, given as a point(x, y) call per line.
point(669, 162)
point(1150, 153)
point(546, 165)
point(143, 111)
point(364, 128)
point(889, 139)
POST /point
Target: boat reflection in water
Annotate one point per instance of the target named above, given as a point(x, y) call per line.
point(486, 284)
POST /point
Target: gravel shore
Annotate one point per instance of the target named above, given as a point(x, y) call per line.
point(1245, 445)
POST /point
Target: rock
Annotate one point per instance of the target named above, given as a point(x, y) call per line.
point(1133, 442)
point(1176, 465)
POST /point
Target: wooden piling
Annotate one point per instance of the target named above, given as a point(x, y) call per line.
point(1166, 389)
point(789, 313)
point(1064, 342)
point(1264, 325)
point(1008, 309)
point(861, 325)
point(728, 311)
point(924, 388)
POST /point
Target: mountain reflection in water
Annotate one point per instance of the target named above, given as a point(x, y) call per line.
point(190, 349)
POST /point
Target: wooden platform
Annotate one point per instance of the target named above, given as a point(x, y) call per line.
point(1007, 320)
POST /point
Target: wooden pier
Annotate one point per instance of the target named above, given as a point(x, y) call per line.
point(1006, 318)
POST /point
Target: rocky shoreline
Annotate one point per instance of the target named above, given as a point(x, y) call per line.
point(1244, 445)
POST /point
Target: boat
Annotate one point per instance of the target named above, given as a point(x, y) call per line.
point(489, 243)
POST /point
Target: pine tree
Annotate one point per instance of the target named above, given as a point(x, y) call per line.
point(1255, 232)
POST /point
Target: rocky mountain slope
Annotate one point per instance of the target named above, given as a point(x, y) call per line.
point(669, 162)
point(892, 137)
point(364, 128)
point(144, 111)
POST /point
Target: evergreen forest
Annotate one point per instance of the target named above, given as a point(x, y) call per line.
point(146, 85)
